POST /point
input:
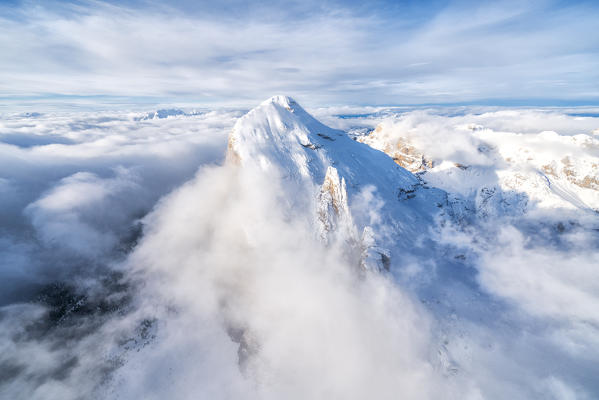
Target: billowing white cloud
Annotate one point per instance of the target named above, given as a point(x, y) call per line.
point(67, 214)
point(542, 280)
point(78, 182)
point(257, 307)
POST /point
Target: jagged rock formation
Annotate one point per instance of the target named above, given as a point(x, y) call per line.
point(400, 150)
point(373, 257)
point(333, 211)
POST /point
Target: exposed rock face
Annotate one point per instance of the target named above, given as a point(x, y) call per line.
point(373, 257)
point(336, 223)
point(333, 211)
point(569, 169)
point(400, 150)
point(232, 156)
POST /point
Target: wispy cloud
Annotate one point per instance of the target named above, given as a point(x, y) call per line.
point(338, 53)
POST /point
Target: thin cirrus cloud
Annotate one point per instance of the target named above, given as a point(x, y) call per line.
point(383, 53)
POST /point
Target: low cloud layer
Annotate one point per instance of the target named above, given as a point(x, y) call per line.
point(135, 265)
point(77, 192)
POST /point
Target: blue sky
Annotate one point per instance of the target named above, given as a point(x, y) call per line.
point(322, 52)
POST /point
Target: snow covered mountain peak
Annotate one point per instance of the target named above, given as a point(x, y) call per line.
point(276, 127)
point(280, 134)
point(349, 186)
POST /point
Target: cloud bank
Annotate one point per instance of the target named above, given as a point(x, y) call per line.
point(132, 274)
point(73, 185)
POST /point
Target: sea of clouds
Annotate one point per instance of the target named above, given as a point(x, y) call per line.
point(136, 264)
